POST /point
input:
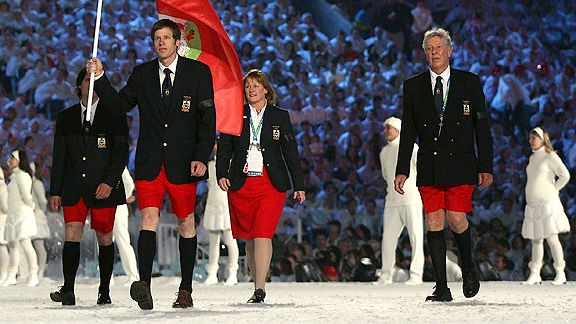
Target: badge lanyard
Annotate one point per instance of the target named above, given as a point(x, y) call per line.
point(445, 101)
point(256, 131)
point(253, 166)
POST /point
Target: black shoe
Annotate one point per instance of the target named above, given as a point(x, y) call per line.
point(103, 299)
point(56, 296)
point(67, 298)
point(471, 283)
point(257, 297)
point(440, 295)
point(140, 292)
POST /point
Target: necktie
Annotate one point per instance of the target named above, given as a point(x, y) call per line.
point(86, 125)
point(166, 88)
point(438, 95)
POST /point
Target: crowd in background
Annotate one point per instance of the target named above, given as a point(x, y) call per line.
point(338, 90)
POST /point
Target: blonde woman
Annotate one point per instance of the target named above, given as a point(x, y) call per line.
point(544, 215)
point(21, 221)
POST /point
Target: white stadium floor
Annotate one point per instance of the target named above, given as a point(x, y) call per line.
point(497, 302)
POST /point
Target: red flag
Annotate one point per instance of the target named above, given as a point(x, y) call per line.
point(205, 39)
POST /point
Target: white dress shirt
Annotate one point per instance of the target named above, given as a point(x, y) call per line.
point(445, 77)
point(172, 68)
point(92, 112)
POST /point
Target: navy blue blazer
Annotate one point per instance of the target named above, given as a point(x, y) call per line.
point(176, 136)
point(81, 161)
point(464, 147)
point(278, 146)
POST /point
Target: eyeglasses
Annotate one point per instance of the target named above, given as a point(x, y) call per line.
point(164, 38)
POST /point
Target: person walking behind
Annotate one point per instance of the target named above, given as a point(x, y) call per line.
point(400, 210)
point(544, 216)
point(217, 222)
point(120, 233)
point(38, 240)
point(21, 221)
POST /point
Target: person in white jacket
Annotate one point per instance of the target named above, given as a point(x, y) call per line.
point(121, 235)
point(544, 215)
point(39, 196)
point(403, 211)
point(216, 221)
point(21, 221)
point(4, 256)
point(400, 210)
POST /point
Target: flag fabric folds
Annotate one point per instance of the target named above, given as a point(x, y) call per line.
point(205, 39)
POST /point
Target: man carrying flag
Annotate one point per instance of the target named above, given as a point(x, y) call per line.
point(175, 98)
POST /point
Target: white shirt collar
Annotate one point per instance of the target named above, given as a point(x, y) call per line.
point(256, 118)
point(92, 112)
point(172, 66)
point(445, 75)
point(253, 110)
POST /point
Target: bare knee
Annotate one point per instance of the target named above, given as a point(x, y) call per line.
point(435, 221)
point(457, 221)
point(74, 231)
point(186, 226)
point(104, 239)
point(149, 219)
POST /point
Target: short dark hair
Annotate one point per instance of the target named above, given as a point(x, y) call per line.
point(79, 79)
point(162, 23)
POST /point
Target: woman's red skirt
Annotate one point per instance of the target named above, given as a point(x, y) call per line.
point(255, 209)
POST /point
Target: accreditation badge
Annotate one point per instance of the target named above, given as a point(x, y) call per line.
point(101, 141)
point(254, 162)
point(276, 132)
point(186, 104)
point(466, 108)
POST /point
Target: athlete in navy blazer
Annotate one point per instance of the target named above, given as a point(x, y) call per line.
point(88, 161)
point(444, 109)
point(175, 98)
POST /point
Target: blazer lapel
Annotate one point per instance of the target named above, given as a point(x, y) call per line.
point(96, 122)
point(154, 88)
point(245, 136)
point(427, 97)
point(178, 87)
point(267, 125)
point(452, 108)
point(77, 124)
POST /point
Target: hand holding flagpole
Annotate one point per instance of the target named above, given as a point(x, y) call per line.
point(94, 55)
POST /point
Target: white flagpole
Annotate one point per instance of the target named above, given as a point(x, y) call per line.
point(94, 54)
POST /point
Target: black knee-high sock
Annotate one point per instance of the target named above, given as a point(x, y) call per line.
point(146, 254)
point(187, 248)
point(464, 243)
point(70, 262)
point(437, 247)
point(106, 263)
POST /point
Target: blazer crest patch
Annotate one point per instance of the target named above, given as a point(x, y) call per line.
point(186, 104)
point(276, 132)
point(466, 107)
point(101, 141)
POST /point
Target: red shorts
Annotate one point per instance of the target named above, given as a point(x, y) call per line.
point(151, 194)
point(101, 219)
point(457, 198)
